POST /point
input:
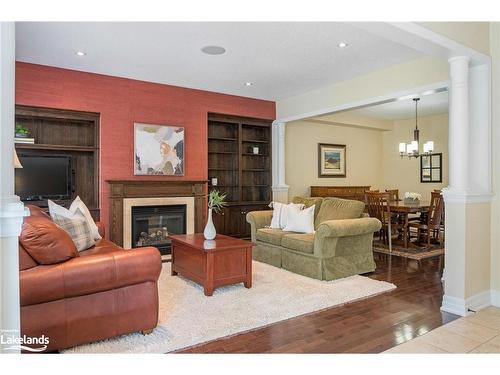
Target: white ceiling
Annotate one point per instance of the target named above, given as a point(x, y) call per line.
point(281, 59)
point(428, 105)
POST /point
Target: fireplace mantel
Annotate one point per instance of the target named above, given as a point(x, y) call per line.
point(121, 189)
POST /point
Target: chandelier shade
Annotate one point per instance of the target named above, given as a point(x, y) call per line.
point(412, 149)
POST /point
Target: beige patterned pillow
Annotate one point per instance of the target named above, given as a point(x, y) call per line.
point(78, 228)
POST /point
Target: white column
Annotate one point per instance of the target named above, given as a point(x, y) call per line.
point(458, 124)
point(280, 188)
point(468, 196)
point(11, 209)
point(480, 135)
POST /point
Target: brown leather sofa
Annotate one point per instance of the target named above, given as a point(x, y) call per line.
point(98, 293)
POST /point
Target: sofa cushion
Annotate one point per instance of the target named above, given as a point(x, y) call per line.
point(269, 235)
point(45, 241)
point(299, 242)
point(25, 260)
point(83, 276)
point(101, 247)
point(308, 202)
point(339, 209)
point(37, 211)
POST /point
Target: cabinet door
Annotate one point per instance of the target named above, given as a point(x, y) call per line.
point(219, 220)
point(234, 222)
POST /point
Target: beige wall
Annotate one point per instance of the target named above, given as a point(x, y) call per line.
point(364, 155)
point(404, 174)
point(372, 155)
point(471, 34)
point(417, 73)
point(352, 118)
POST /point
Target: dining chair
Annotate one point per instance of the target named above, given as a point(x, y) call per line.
point(378, 207)
point(394, 194)
point(431, 228)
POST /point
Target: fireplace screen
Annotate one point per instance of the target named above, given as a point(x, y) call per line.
point(151, 225)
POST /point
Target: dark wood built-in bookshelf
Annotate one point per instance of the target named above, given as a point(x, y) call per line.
point(65, 132)
point(243, 176)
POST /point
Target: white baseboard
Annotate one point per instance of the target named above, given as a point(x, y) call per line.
point(495, 298)
point(479, 301)
point(463, 307)
point(454, 305)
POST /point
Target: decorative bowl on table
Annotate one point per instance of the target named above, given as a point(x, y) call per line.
point(412, 198)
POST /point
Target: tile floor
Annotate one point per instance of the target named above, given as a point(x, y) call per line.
point(476, 333)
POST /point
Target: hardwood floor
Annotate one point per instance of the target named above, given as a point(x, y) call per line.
point(368, 326)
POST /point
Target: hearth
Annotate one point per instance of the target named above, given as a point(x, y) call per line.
point(151, 225)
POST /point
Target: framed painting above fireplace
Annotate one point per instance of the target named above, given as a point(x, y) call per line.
point(158, 150)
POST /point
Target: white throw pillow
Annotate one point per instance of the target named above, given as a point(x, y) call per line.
point(77, 204)
point(280, 213)
point(300, 221)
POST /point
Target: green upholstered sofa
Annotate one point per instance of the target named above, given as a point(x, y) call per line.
point(341, 245)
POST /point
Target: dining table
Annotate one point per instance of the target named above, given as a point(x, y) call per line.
point(404, 209)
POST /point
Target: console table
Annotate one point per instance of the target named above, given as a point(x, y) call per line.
point(345, 192)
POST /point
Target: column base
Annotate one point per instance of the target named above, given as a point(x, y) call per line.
point(495, 298)
point(280, 193)
point(465, 196)
point(12, 211)
point(464, 307)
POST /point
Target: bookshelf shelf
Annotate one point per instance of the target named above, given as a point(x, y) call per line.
point(244, 176)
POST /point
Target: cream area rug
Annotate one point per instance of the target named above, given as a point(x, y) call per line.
point(187, 317)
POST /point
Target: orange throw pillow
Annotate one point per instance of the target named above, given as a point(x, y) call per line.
point(45, 241)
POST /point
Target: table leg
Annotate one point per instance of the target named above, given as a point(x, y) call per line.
point(172, 272)
point(405, 228)
point(248, 281)
point(208, 286)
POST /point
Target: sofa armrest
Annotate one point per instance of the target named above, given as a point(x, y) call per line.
point(331, 233)
point(89, 274)
point(259, 219)
point(101, 228)
point(348, 227)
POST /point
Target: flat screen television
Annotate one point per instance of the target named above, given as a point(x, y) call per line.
point(44, 177)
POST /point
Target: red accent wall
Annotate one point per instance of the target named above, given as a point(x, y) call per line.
point(121, 102)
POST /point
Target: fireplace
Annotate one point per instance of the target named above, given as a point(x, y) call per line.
point(151, 225)
point(124, 195)
point(149, 221)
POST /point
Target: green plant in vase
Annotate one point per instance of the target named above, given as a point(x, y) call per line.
point(216, 202)
point(21, 131)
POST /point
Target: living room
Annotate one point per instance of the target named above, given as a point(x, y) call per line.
point(169, 187)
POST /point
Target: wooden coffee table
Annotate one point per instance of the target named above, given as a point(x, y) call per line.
point(222, 261)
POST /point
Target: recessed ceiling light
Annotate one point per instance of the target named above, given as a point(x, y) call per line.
point(248, 83)
point(80, 53)
point(342, 45)
point(213, 50)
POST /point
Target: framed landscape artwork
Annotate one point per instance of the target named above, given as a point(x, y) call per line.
point(158, 150)
point(331, 160)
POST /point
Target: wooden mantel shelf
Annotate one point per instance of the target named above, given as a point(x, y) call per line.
point(120, 189)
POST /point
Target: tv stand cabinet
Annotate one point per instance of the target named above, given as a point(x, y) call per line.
point(65, 132)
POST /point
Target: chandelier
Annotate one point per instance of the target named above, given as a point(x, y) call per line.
point(412, 149)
